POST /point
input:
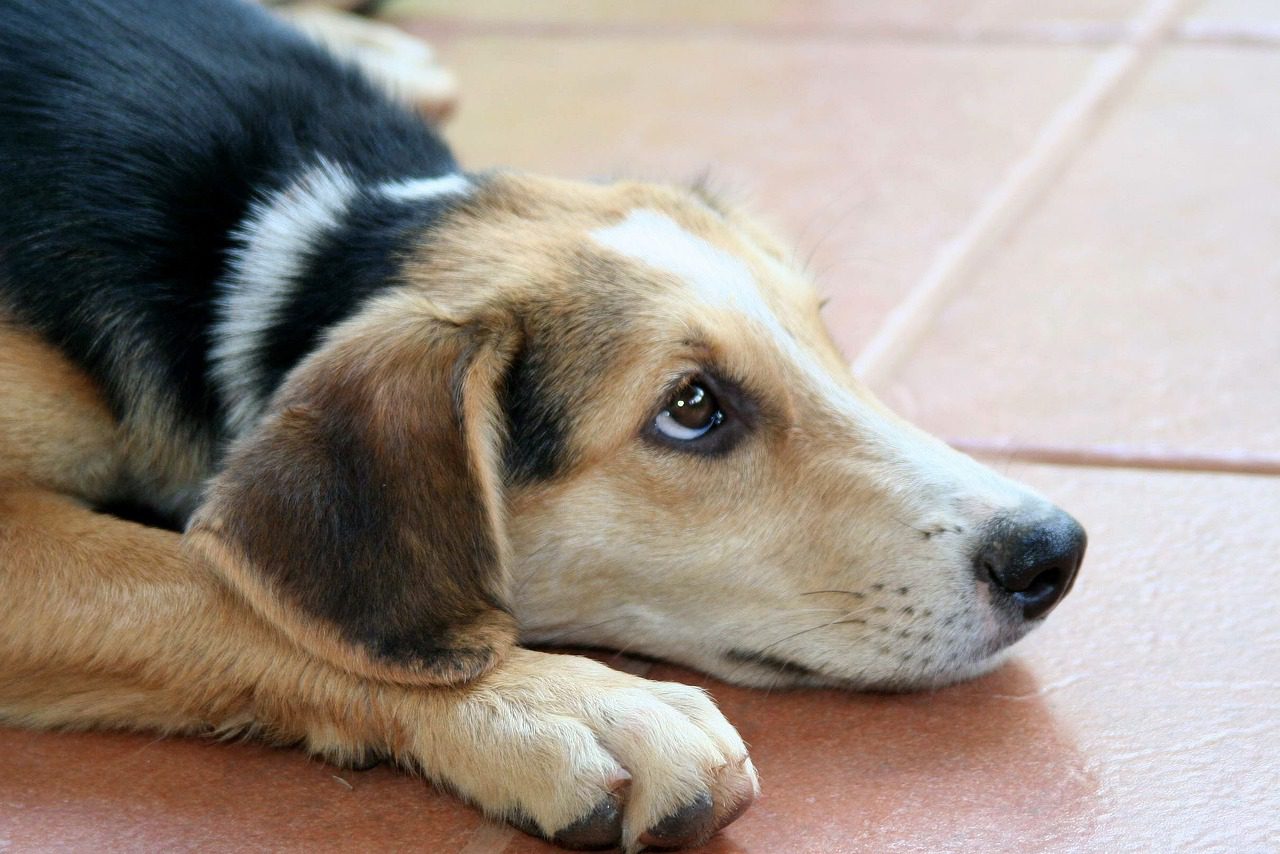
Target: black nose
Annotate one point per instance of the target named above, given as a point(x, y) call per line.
point(1032, 562)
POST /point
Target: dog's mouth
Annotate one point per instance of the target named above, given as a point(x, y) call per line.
point(774, 664)
point(958, 655)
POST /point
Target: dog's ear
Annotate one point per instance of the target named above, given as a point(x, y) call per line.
point(364, 516)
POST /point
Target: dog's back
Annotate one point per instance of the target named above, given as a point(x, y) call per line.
point(134, 136)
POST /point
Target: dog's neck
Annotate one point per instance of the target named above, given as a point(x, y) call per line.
point(305, 258)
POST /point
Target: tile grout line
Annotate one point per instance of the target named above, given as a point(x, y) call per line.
point(1021, 187)
point(1211, 33)
point(1090, 33)
point(1122, 456)
point(1201, 32)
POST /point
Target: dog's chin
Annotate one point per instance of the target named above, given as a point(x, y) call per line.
point(759, 670)
point(958, 673)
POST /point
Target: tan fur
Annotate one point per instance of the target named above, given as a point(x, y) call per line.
point(63, 442)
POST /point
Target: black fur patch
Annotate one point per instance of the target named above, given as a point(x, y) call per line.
point(537, 425)
point(566, 349)
point(356, 261)
point(142, 514)
point(133, 137)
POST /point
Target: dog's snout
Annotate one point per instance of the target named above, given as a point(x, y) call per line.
point(1032, 562)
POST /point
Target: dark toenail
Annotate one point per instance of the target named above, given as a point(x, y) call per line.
point(597, 830)
point(689, 825)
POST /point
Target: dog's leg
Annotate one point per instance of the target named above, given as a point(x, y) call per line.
point(107, 623)
point(404, 65)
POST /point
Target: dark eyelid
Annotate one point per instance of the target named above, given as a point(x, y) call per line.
point(741, 415)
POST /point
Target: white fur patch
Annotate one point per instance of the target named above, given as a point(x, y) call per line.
point(719, 279)
point(425, 188)
point(271, 243)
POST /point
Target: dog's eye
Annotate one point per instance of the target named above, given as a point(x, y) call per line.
point(691, 413)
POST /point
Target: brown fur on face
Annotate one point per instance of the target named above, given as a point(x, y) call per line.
point(362, 515)
point(833, 544)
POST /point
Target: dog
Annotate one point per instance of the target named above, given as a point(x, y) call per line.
point(391, 425)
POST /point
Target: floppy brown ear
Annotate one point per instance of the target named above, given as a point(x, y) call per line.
point(364, 516)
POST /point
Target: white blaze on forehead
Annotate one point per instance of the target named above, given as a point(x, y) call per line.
point(718, 278)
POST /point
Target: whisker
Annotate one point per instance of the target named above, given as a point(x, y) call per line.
point(909, 525)
point(844, 611)
point(793, 635)
point(854, 593)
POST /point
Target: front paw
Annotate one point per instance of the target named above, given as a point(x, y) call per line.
point(590, 758)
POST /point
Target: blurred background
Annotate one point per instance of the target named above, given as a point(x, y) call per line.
point(1050, 232)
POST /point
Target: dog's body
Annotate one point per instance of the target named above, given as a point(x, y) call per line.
point(139, 244)
point(404, 414)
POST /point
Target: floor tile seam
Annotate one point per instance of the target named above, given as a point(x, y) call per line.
point(1225, 33)
point(1144, 457)
point(1060, 34)
point(1196, 32)
point(1017, 194)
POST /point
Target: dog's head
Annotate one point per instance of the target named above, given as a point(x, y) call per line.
point(611, 415)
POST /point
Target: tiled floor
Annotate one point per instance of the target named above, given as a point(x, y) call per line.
point(1049, 229)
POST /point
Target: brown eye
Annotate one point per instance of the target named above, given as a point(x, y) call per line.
point(691, 413)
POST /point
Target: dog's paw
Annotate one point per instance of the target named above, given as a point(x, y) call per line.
point(590, 758)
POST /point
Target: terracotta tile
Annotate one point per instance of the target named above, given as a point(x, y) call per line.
point(1140, 303)
point(1141, 717)
point(871, 158)
point(109, 793)
point(885, 14)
